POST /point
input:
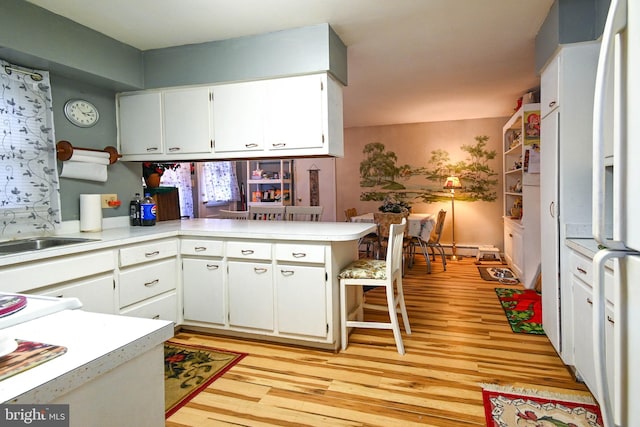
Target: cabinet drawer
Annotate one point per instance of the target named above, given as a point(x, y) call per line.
point(28, 276)
point(582, 267)
point(249, 250)
point(300, 252)
point(139, 283)
point(148, 252)
point(214, 248)
point(95, 294)
point(164, 307)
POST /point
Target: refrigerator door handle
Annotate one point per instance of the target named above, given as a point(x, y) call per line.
point(599, 338)
point(616, 21)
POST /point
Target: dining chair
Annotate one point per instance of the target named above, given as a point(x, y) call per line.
point(369, 241)
point(372, 273)
point(227, 214)
point(383, 221)
point(266, 213)
point(303, 213)
point(433, 243)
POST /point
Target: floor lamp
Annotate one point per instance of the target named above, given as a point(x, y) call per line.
point(452, 183)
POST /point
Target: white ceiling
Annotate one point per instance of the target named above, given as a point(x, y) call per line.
point(408, 60)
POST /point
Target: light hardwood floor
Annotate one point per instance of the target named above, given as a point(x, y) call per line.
point(460, 339)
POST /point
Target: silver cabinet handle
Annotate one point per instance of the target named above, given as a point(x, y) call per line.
point(213, 266)
point(581, 270)
point(279, 144)
point(260, 270)
point(251, 145)
point(173, 149)
point(152, 283)
point(287, 272)
point(589, 301)
point(151, 254)
point(156, 317)
point(152, 149)
point(610, 319)
point(551, 205)
point(246, 251)
point(200, 248)
point(552, 103)
point(298, 254)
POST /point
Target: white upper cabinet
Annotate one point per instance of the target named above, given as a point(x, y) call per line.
point(289, 116)
point(186, 121)
point(238, 116)
point(140, 123)
point(165, 125)
point(296, 113)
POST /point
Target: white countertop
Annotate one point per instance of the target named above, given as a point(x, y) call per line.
point(96, 343)
point(221, 228)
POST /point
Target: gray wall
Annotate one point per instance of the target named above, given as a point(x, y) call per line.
point(570, 21)
point(296, 51)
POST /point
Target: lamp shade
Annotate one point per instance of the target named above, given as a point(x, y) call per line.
point(452, 182)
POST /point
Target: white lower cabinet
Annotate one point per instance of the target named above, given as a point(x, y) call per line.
point(513, 246)
point(583, 339)
point(95, 294)
point(148, 280)
point(301, 300)
point(251, 295)
point(203, 295)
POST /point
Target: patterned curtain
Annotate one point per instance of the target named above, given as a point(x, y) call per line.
point(181, 178)
point(220, 182)
point(29, 188)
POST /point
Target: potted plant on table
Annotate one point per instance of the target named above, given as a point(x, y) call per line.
point(390, 204)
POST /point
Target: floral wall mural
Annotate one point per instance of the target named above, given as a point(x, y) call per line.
point(383, 178)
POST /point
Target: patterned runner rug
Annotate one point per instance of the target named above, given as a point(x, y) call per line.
point(523, 308)
point(509, 407)
point(189, 369)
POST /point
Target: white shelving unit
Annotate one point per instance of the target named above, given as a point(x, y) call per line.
point(521, 192)
point(269, 182)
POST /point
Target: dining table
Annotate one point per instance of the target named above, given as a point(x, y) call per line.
point(418, 224)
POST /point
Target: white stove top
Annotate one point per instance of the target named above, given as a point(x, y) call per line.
point(38, 306)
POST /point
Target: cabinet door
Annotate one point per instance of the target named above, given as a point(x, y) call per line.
point(549, 227)
point(238, 116)
point(550, 87)
point(251, 295)
point(583, 334)
point(95, 294)
point(301, 300)
point(518, 252)
point(295, 113)
point(140, 123)
point(203, 290)
point(186, 121)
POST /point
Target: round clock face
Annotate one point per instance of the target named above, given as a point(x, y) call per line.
point(81, 112)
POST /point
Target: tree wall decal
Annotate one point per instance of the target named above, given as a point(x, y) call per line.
point(380, 173)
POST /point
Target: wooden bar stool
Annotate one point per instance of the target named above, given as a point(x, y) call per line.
point(371, 273)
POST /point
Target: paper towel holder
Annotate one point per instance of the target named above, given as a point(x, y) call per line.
point(64, 151)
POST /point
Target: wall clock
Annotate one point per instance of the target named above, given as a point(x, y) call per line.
point(81, 112)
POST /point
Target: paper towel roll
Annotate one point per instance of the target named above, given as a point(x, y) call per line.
point(85, 164)
point(90, 212)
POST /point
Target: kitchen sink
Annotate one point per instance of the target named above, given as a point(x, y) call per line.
point(37, 243)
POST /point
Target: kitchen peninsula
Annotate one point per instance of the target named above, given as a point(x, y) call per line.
point(262, 279)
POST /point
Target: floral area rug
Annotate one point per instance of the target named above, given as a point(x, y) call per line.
point(508, 407)
point(189, 369)
point(523, 308)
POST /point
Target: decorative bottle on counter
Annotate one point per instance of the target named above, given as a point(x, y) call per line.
point(134, 210)
point(147, 210)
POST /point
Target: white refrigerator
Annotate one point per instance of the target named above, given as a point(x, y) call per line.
point(616, 209)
